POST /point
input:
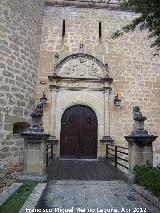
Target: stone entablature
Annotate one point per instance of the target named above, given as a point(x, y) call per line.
point(79, 72)
point(85, 3)
point(80, 85)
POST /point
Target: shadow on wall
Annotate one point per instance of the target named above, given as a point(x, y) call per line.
point(20, 127)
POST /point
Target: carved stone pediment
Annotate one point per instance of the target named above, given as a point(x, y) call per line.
point(81, 66)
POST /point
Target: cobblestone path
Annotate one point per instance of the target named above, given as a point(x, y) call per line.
point(94, 196)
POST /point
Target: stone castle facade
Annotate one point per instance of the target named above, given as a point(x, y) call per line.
point(64, 48)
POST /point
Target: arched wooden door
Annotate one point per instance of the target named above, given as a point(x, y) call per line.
point(78, 133)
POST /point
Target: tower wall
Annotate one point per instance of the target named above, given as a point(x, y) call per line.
point(20, 29)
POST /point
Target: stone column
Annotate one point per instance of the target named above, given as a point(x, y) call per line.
point(139, 142)
point(34, 146)
point(34, 154)
point(140, 151)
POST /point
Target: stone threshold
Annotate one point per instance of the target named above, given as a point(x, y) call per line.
point(147, 195)
point(34, 198)
point(6, 194)
point(77, 159)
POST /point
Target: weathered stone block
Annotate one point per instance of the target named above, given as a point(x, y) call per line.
point(8, 74)
point(8, 127)
point(3, 66)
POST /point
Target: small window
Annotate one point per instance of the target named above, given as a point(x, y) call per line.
point(63, 28)
point(20, 127)
point(100, 30)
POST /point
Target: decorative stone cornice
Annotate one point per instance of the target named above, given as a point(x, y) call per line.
point(54, 87)
point(107, 79)
point(85, 3)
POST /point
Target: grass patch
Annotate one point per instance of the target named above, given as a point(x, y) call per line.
point(149, 177)
point(16, 201)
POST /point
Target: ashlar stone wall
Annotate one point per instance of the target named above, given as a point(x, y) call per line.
point(20, 29)
point(135, 72)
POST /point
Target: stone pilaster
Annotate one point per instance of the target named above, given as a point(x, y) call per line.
point(54, 91)
point(107, 118)
point(107, 92)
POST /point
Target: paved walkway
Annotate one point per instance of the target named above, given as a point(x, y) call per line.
point(93, 196)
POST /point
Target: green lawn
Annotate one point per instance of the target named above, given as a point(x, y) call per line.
point(16, 201)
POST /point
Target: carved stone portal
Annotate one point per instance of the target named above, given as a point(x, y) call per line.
point(81, 79)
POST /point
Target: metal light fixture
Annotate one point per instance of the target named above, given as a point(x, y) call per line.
point(42, 82)
point(106, 66)
point(43, 99)
point(117, 102)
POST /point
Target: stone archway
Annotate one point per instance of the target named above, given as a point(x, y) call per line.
point(78, 138)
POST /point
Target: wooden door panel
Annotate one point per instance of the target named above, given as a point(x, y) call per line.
point(69, 147)
point(78, 132)
point(89, 143)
